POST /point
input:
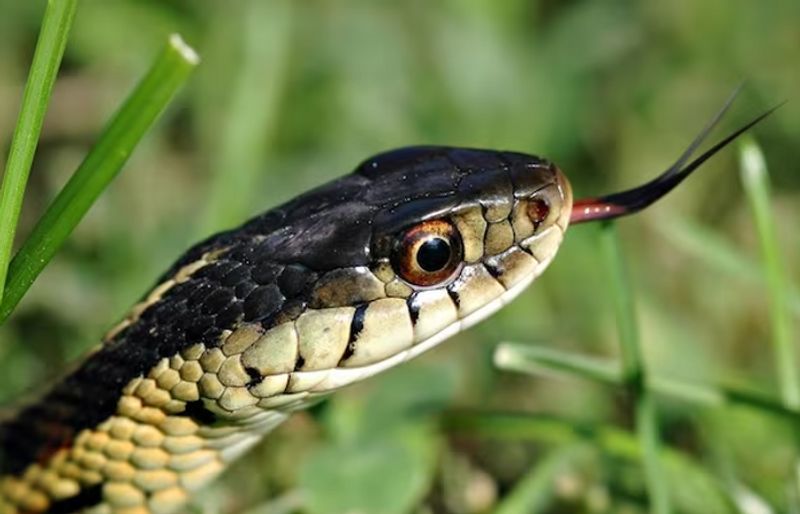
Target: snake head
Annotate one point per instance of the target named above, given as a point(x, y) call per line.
point(443, 237)
point(419, 243)
point(429, 240)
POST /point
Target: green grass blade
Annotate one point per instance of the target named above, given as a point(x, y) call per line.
point(537, 360)
point(755, 180)
point(623, 305)
point(170, 70)
point(56, 24)
point(534, 360)
point(649, 438)
point(646, 416)
point(710, 396)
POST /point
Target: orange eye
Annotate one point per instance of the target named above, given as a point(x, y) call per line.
point(427, 254)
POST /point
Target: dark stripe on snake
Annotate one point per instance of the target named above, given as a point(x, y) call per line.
point(197, 411)
point(356, 326)
point(413, 308)
point(85, 499)
point(453, 294)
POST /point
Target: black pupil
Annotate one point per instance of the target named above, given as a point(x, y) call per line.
point(433, 254)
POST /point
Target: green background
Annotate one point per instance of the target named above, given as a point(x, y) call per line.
point(291, 94)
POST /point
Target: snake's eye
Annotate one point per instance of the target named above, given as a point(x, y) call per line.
point(427, 254)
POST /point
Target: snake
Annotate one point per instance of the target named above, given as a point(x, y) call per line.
point(338, 284)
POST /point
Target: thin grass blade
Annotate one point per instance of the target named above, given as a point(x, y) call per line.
point(755, 180)
point(103, 162)
point(646, 416)
point(50, 47)
point(535, 360)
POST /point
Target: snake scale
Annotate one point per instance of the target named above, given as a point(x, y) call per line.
point(338, 284)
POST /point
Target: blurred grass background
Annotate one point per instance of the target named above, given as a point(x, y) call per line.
point(291, 94)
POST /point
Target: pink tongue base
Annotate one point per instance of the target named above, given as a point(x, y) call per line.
point(591, 209)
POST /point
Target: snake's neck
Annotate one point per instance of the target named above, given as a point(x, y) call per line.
point(149, 455)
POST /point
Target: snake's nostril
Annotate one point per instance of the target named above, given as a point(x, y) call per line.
point(538, 209)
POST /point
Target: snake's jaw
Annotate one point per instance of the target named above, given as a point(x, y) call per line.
point(635, 199)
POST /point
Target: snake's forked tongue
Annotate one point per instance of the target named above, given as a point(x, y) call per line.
point(636, 199)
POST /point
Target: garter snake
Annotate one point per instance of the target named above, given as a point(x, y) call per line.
point(336, 285)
